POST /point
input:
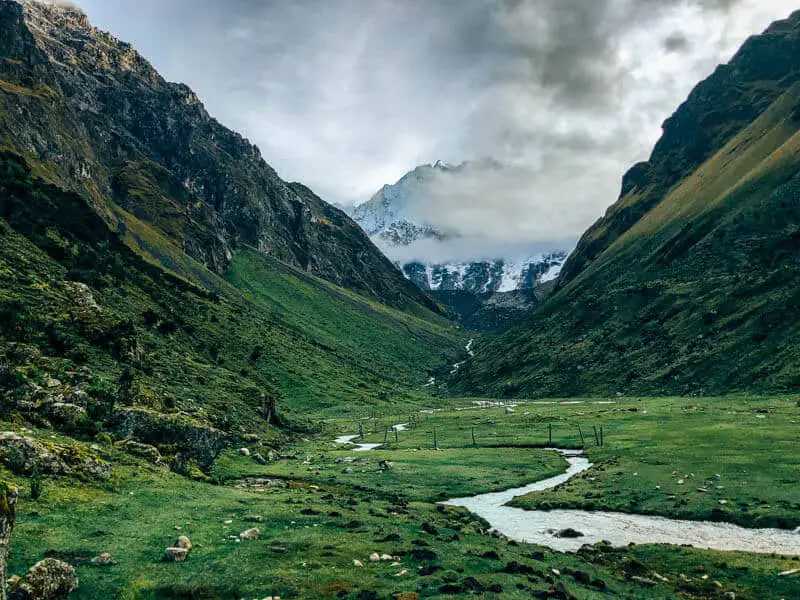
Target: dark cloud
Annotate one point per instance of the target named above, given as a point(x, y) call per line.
point(346, 95)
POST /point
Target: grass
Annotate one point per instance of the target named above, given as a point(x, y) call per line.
point(312, 532)
point(268, 329)
point(415, 475)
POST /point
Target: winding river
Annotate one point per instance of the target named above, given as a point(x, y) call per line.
point(620, 529)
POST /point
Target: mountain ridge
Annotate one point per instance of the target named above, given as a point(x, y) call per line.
point(91, 114)
point(686, 291)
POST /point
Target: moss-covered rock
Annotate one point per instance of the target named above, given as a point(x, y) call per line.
point(177, 433)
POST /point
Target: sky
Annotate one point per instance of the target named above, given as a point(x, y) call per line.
point(348, 95)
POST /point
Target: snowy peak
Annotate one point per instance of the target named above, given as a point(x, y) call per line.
point(391, 218)
point(481, 277)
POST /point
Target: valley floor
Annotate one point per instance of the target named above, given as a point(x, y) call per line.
point(323, 508)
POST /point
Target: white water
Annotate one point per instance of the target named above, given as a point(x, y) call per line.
point(620, 529)
point(348, 439)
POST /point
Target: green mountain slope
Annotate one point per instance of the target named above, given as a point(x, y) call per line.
point(91, 115)
point(87, 322)
point(690, 283)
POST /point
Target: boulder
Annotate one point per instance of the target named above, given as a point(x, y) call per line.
point(47, 580)
point(175, 554)
point(385, 465)
point(250, 534)
point(183, 542)
point(104, 560)
point(258, 458)
point(25, 456)
point(186, 435)
point(64, 414)
point(244, 451)
point(568, 533)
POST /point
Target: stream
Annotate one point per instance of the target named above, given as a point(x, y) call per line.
point(620, 529)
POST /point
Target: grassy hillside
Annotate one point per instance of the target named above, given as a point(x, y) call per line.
point(78, 306)
point(698, 296)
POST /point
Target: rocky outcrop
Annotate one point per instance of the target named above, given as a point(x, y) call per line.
point(25, 456)
point(8, 504)
point(94, 116)
point(176, 433)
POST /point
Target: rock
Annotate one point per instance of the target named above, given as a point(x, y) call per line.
point(568, 533)
point(385, 465)
point(175, 554)
point(47, 580)
point(272, 456)
point(183, 542)
point(184, 434)
point(405, 596)
point(789, 572)
point(244, 452)
point(347, 470)
point(8, 504)
point(357, 563)
point(104, 560)
point(257, 458)
point(146, 451)
point(64, 414)
point(250, 534)
point(23, 456)
point(53, 383)
point(374, 557)
point(509, 411)
point(253, 519)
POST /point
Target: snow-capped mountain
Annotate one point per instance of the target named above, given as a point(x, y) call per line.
point(480, 277)
point(387, 216)
point(392, 219)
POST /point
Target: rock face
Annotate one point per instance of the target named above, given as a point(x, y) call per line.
point(8, 503)
point(49, 579)
point(94, 117)
point(179, 432)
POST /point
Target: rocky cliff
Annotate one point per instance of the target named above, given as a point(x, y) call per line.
point(90, 114)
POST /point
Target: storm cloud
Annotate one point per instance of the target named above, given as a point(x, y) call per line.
point(347, 95)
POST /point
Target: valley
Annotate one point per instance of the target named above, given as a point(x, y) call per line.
point(215, 384)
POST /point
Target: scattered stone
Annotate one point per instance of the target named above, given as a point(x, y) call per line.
point(357, 563)
point(789, 572)
point(47, 580)
point(244, 452)
point(401, 572)
point(250, 534)
point(257, 458)
point(104, 560)
point(348, 470)
point(374, 557)
point(568, 533)
point(643, 581)
point(509, 411)
point(175, 554)
point(385, 465)
point(405, 596)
